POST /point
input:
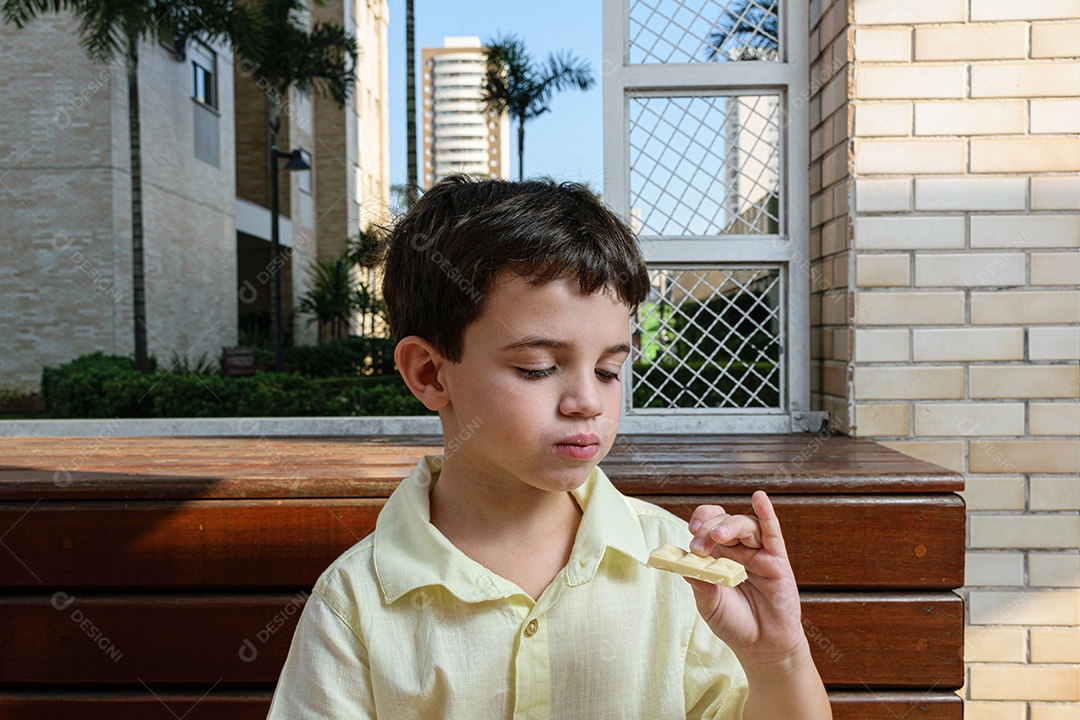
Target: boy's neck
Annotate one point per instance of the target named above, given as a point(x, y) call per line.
point(492, 520)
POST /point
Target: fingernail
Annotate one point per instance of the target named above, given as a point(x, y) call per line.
point(694, 525)
point(719, 531)
point(697, 544)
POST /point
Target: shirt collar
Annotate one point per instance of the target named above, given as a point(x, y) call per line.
point(410, 552)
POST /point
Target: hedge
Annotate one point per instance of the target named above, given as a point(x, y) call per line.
point(101, 385)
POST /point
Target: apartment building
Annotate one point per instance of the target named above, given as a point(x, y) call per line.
point(66, 268)
point(460, 135)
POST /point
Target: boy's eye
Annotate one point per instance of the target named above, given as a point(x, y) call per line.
point(536, 373)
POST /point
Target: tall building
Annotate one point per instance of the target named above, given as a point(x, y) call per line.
point(460, 135)
point(65, 195)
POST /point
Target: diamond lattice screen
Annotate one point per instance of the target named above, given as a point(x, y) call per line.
point(709, 338)
point(705, 165)
point(667, 31)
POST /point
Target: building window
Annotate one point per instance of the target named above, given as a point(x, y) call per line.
point(303, 177)
point(203, 75)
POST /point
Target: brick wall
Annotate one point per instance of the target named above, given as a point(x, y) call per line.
point(945, 185)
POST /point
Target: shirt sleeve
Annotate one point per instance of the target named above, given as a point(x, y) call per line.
point(326, 673)
point(713, 681)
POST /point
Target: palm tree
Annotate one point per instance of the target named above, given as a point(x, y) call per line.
point(747, 30)
point(322, 59)
point(329, 298)
point(111, 28)
point(513, 84)
point(410, 104)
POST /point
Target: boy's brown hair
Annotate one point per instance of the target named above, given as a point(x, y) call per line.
point(443, 256)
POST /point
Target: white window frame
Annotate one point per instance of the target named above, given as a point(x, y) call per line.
point(787, 77)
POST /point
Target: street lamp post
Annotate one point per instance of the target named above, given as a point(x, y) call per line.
point(296, 163)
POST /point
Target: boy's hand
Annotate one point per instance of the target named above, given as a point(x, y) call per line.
point(759, 618)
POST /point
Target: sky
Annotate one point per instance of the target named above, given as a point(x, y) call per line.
point(565, 143)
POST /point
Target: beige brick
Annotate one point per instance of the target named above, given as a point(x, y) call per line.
point(881, 345)
point(908, 383)
point(1024, 381)
point(971, 42)
point(1018, 682)
point(911, 156)
point(1023, 456)
point(1055, 418)
point(1055, 493)
point(994, 711)
point(885, 419)
point(909, 308)
point(1055, 712)
point(1024, 608)
point(970, 193)
point(1001, 269)
point(885, 44)
point(1057, 645)
point(1060, 570)
point(1024, 231)
point(1024, 155)
point(1024, 531)
point(1031, 10)
point(890, 12)
point(994, 644)
point(994, 492)
point(1025, 80)
point(882, 119)
point(1059, 268)
point(1005, 307)
point(1055, 116)
point(892, 270)
point(1054, 343)
point(889, 82)
point(1055, 193)
point(995, 569)
point(909, 233)
point(947, 454)
point(1055, 40)
point(883, 195)
point(968, 344)
point(997, 117)
point(978, 419)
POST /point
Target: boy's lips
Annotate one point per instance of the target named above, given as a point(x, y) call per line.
point(580, 447)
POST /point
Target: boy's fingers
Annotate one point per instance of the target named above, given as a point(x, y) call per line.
point(736, 529)
point(703, 513)
point(771, 537)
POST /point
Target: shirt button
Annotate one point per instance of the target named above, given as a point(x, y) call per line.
point(530, 629)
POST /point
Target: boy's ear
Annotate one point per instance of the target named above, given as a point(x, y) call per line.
point(420, 365)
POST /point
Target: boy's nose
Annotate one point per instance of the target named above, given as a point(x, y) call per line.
point(581, 396)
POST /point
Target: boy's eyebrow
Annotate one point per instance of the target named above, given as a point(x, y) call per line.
point(533, 341)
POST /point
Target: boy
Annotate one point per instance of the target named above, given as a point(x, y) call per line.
point(506, 577)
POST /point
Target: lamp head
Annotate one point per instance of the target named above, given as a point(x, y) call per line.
point(297, 162)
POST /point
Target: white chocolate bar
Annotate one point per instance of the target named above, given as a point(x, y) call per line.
point(720, 571)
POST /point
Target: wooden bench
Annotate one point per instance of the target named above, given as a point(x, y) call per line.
point(162, 577)
point(241, 362)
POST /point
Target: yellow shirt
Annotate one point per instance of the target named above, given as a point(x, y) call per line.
point(405, 625)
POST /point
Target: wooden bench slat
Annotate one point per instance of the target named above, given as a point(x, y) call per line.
point(245, 467)
point(125, 640)
point(233, 705)
point(283, 544)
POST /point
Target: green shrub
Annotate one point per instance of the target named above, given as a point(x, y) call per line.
point(345, 357)
point(97, 385)
point(108, 386)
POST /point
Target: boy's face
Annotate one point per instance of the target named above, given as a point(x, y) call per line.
point(539, 367)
